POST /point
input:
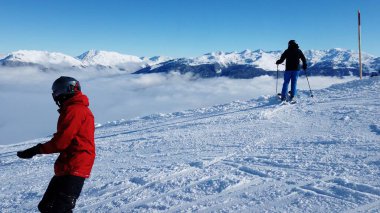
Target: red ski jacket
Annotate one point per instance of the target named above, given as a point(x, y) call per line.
point(74, 139)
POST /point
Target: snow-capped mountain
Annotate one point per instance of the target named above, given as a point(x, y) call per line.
point(248, 64)
point(43, 59)
point(106, 59)
point(245, 64)
point(258, 58)
point(101, 60)
point(155, 59)
point(340, 62)
point(375, 64)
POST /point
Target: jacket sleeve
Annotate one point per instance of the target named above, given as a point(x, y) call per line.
point(68, 127)
point(303, 59)
point(283, 57)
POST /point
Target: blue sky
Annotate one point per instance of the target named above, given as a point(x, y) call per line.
point(186, 28)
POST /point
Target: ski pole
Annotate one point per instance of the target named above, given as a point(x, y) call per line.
point(311, 93)
point(277, 80)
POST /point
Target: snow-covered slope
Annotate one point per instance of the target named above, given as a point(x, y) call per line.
point(320, 155)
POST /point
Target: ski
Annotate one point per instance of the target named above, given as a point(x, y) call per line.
point(287, 101)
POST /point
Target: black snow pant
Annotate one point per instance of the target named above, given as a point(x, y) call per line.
point(61, 194)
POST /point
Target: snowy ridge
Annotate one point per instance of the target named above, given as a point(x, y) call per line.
point(155, 60)
point(319, 155)
point(104, 58)
point(245, 64)
point(340, 58)
point(249, 64)
point(265, 59)
point(259, 58)
point(44, 58)
point(90, 59)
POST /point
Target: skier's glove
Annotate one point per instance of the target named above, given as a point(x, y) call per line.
point(278, 62)
point(29, 153)
point(304, 66)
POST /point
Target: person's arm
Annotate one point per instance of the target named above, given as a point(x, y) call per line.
point(67, 129)
point(283, 57)
point(303, 59)
point(29, 153)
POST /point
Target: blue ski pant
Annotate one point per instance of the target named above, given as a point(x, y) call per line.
point(290, 76)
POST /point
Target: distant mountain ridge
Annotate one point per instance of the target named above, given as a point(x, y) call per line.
point(90, 59)
point(244, 64)
point(249, 64)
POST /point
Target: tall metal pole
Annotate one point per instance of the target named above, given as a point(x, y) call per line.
point(360, 46)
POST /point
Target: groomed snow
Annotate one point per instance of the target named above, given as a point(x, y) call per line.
point(319, 155)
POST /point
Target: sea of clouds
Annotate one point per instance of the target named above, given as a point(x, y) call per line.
point(27, 110)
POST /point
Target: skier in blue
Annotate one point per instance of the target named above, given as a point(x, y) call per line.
point(292, 69)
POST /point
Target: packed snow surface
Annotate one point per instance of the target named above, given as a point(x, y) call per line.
point(319, 155)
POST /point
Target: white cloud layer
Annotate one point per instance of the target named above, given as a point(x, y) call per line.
point(27, 110)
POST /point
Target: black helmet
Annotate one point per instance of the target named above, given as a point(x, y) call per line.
point(64, 88)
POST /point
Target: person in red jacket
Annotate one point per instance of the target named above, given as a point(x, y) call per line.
point(74, 140)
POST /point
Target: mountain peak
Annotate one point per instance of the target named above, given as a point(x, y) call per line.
point(41, 57)
point(89, 53)
point(246, 51)
point(107, 58)
point(216, 53)
point(259, 51)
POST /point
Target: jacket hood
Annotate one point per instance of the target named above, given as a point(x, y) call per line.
point(293, 45)
point(78, 98)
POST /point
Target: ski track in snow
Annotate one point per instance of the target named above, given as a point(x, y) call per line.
point(319, 155)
